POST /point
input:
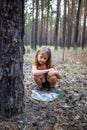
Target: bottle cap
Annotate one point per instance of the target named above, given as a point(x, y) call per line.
point(59, 94)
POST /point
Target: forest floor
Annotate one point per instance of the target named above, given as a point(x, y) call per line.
point(68, 112)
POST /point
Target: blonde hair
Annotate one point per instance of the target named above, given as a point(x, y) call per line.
point(44, 49)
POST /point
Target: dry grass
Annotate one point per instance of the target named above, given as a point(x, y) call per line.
point(69, 55)
point(76, 56)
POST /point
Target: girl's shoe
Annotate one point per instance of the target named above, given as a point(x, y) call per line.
point(36, 88)
point(53, 90)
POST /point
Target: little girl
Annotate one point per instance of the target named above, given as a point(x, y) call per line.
point(43, 71)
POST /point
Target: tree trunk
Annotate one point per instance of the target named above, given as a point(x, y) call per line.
point(57, 25)
point(70, 24)
point(64, 30)
point(84, 25)
point(11, 57)
point(41, 34)
point(77, 24)
point(36, 25)
point(33, 28)
point(48, 7)
point(64, 25)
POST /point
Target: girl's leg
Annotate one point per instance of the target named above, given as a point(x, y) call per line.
point(38, 81)
point(52, 79)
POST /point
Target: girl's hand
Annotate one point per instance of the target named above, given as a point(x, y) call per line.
point(55, 72)
point(51, 69)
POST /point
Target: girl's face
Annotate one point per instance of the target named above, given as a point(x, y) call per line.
point(42, 58)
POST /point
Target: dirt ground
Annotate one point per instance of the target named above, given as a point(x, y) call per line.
point(68, 112)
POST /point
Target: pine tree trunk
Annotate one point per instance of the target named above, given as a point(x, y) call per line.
point(11, 57)
point(36, 25)
point(64, 26)
point(41, 33)
point(77, 24)
point(57, 25)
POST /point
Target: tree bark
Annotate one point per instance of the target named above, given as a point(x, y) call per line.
point(11, 57)
point(77, 25)
point(64, 25)
point(41, 33)
point(33, 27)
point(36, 25)
point(48, 7)
point(70, 24)
point(57, 25)
point(84, 25)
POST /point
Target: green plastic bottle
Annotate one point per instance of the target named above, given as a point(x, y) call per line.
point(58, 94)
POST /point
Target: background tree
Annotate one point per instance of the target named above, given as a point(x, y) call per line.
point(63, 23)
point(33, 27)
point(84, 24)
point(57, 25)
point(47, 21)
point(36, 24)
point(41, 29)
point(70, 22)
point(64, 29)
point(77, 24)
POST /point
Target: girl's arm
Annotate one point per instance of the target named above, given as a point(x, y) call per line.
point(56, 71)
point(36, 71)
point(58, 75)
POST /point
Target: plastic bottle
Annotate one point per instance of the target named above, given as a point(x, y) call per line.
point(55, 95)
point(42, 96)
point(58, 94)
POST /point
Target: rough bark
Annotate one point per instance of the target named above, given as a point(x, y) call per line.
point(41, 33)
point(64, 26)
point(57, 25)
point(36, 25)
point(11, 57)
point(77, 24)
